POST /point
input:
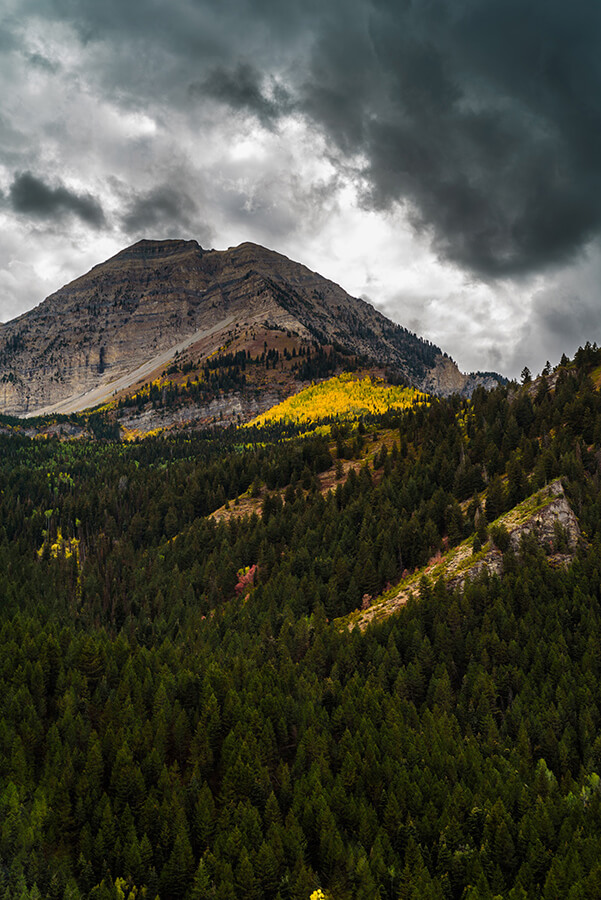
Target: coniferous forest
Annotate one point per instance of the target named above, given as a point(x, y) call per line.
point(185, 713)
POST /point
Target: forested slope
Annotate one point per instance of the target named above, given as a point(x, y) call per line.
point(173, 725)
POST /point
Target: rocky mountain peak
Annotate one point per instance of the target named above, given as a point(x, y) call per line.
point(133, 314)
point(152, 250)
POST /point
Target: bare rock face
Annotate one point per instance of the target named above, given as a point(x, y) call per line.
point(126, 318)
point(230, 409)
point(553, 525)
point(445, 378)
point(553, 522)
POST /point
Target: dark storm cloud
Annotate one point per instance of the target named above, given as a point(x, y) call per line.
point(485, 117)
point(164, 211)
point(481, 116)
point(31, 196)
point(242, 89)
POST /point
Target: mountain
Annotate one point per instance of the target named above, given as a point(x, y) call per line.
point(160, 303)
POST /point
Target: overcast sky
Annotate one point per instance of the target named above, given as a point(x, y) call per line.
point(441, 159)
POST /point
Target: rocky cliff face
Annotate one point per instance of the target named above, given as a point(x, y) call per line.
point(230, 409)
point(444, 379)
point(128, 317)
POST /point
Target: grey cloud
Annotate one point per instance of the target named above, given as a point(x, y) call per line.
point(186, 26)
point(163, 211)
point(38, 61)
point(564, 314)
point(562, 319)
point(242, 88)
point(32, 196)
point(482, 117)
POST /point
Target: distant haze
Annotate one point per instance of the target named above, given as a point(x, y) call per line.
point(439, 159)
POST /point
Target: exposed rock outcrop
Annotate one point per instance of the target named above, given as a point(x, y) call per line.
point(229, 409)
point(445, 378)
point(553, 522)
point(546, 515)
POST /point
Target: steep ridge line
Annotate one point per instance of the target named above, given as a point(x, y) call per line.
point(546, 514)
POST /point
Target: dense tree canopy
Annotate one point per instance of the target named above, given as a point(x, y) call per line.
point(175, 722)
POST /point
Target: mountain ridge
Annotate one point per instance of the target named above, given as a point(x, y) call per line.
point(139, 310)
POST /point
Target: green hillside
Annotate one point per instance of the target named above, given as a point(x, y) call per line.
point(182, 715)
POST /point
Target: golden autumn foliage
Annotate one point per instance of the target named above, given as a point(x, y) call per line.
point(134, 434)
point(344, 395)
point(61, 546)
point(65, 548)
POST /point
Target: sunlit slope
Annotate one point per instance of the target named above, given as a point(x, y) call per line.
point(343, 396)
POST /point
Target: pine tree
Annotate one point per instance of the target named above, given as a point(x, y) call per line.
point(179, 868)
point(202, 888)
